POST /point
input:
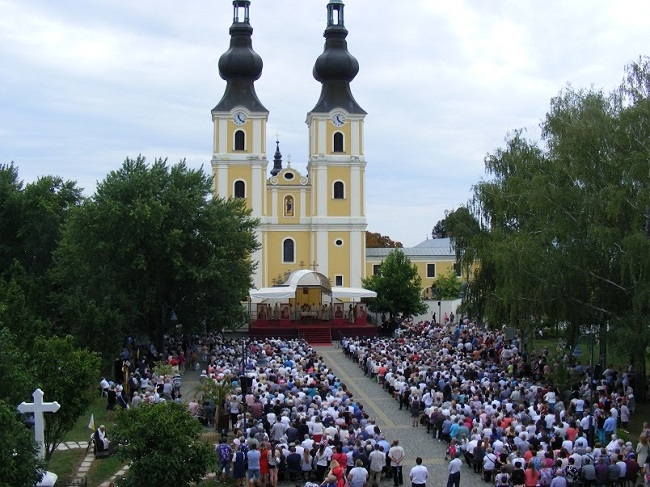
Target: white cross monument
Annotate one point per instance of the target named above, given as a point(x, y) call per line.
point(38, 407)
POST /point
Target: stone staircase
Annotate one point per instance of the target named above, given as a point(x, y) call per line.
point(316, 334)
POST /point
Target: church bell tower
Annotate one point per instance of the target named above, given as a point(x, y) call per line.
point(337, 163)
point(239, 136)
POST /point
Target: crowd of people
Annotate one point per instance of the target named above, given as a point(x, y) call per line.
point(495, 408)
point(498, 410)
point(293, 418)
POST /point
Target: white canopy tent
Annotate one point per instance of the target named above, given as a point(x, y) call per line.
point(352, 292)
point(308, 278)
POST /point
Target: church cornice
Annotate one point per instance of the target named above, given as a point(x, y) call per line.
point(331, 160)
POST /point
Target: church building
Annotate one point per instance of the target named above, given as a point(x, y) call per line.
point(314, 221)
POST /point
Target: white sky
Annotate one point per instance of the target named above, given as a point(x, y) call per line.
point(85, 84)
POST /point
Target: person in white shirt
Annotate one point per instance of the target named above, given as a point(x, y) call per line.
point(454, 471)
point(358, 476)
point(418, 474)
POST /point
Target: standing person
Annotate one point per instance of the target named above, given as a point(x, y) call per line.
point(264, 462)
point(273, 460)
point(224, 452)
point(396, 455)
point(531, 475)
point(642, 449)
point(321, 460)
point(454, 471)
point(111, 397)
point(416, 410)
point(338, 472)
point(377, 463)
point(358, 475)
point(306, 464)
point(239, 466)
point(418, 474)
point(253, 457)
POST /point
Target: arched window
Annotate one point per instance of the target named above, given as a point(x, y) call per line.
point(288, 251)
point(338, 142)
point(339, 190)
point(240, 189)
point(288, 206)
point(240, 140)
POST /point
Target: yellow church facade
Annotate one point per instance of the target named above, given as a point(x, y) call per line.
point(315, 220)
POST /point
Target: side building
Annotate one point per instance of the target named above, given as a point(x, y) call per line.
point(432, 258)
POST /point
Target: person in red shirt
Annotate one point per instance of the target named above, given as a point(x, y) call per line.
point(381, 374)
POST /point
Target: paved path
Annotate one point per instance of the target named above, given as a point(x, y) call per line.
point(396, 424)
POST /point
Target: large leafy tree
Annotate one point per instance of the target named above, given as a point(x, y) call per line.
point(31, 217)
point(379, 241)
point(398, 286)
point(565, 223)
point(65, 374)
point(19, 464)
point(163, 445)
point(150, 238)
point(18, 379)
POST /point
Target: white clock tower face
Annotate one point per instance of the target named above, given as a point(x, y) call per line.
point(338, 119)
point(239, 118)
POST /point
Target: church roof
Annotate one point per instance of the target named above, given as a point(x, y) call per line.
point(240, 66)
point(433, 247)
point(335, 68)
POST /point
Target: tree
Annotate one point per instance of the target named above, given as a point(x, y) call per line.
point(440, 229)
point(65, 374)
point(564, 224)
point(31, 217)
point(17, 379)
point(398, 286)
point(448, 286)
point(19, 464)
point(378, 241)
point(149, 238)
point(162, 443)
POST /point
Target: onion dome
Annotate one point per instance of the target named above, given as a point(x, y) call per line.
point(240, 65)
point(335, 68)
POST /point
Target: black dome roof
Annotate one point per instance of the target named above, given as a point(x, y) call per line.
point(336, 63)
point(335, 68)
point(240, 66)
point(240, 61)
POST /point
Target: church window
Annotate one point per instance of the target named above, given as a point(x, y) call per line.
point(338, 142)
point(338, 242)
point(240, 140)
point(338, 280)
point(431, 270)
point(458, 269)
point(288, 251)
point(376, 269)
point(339, 190)
point(288, 206)
point(240, 189)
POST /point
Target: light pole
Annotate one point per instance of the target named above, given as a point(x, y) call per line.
point(172, 318)
point(243, 379)
point(577, 352)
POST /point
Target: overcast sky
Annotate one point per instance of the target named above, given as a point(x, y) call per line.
point(85, 84)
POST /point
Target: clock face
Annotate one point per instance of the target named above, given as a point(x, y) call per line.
point(239, 118)
point(338, 119)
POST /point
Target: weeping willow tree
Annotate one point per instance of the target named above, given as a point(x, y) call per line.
point(562, 225)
